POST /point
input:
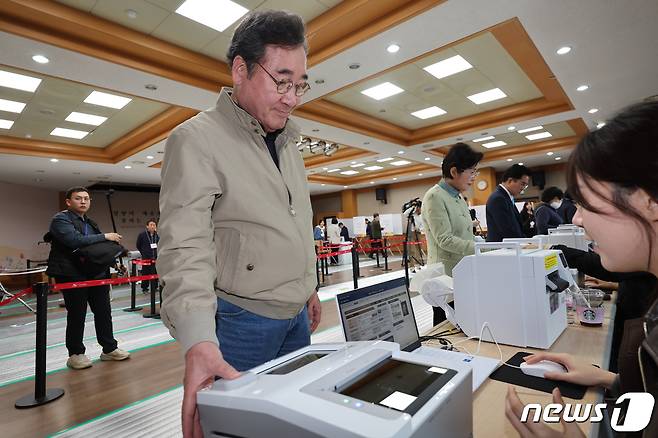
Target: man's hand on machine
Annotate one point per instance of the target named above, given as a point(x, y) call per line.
point(203, 362)
point(314, 309)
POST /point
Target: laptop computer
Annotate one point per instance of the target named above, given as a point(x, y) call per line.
point(384, 312)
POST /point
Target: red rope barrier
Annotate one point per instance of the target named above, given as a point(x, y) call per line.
point(330, 254)
point(16, 296)
point(143, 262)
point(92, 283)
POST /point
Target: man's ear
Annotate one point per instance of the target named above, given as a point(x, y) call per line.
point(68, 202)
point(239, 70)
point(652, 207)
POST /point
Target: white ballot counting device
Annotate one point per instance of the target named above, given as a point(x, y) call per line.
point(354, 389)
point(569, 235)
point(518, 292)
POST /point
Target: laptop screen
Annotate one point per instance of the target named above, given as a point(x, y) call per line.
point(379, 312)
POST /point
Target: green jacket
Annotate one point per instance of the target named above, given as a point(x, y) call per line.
point(448, 226)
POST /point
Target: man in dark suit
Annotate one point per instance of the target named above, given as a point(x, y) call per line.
point(147, 245)
point(503, 218)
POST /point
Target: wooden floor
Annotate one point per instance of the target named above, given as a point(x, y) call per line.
point(111, 385)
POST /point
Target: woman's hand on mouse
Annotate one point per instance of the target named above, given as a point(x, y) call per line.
point(578, 372)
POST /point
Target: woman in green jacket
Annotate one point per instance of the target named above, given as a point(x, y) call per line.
point(449, 227)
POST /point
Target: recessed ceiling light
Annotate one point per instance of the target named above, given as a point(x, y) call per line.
point(382, 91)
point(534, 128)
point(315, 130)
point(420, 174)
point(563, 50)
point(400, 152)
point(494, 144)
point(325, 168)
point(322, 185)
point(6, 124)
point(511, 128)
point(345, 187)
point(366, 143)
point(489, 137)
point(87, 119)
point(373, 168)
point(131, 13)
point(40, 59)
point(372, 182)
point(521, 164)
point(69, 133)
point(150, 157)
point(383, 160)
point(18, 82)
point(549, 153)
point(582, 87)
point(357, 165)
point(538, 135)
point(333, 170)
point(151, 87)
point(558, 158)
point(349, 172)
point(28, 135)
point(427, 158)
point(487, 96)
point(54, 160)
point(509, 159)
point(429, 112)
point(393, 48)
point(216, 14)
point(319, 81)
point(400, 163)
point(593, 110)
point(11, 106)
point(600, 125)
point(107, 100)
point(395, 179)
point(354, 66)
point(353, 162)
point(448, 67)
point(127, 167)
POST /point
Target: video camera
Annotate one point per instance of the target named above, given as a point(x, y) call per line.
point(416, 202)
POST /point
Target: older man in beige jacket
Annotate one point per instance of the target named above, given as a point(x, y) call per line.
point(236, 251)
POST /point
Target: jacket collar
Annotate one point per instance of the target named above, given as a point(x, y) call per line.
point(448, 188)
point(226, 105)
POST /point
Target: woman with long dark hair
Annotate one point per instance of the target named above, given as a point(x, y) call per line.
point(613, 176)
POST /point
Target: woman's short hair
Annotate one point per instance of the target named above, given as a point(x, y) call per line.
point(460, 156)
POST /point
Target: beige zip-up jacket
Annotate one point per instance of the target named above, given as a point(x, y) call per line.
point(231, 224)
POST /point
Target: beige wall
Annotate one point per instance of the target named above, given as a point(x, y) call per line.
point(25, 217)
point(331, 204)
point(396, 197)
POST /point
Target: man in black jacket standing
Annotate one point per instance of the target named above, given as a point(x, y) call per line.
point(70, 230)
point(147, 245)
point(503, 218)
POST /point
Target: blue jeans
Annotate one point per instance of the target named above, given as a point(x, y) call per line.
point(247, 340)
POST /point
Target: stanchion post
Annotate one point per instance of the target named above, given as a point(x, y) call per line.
point(377, 251)
point(405, 259)
point(153, 314)
point(325, 261)
point(355, 266)
point(133, 290)
point(385, 255)
point(41, 395)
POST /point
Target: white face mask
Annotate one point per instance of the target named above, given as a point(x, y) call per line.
point(556, 204)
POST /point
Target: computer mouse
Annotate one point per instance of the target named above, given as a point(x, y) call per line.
point(545, 366)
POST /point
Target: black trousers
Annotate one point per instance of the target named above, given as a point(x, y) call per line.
point(147, 270)
point(76, 301)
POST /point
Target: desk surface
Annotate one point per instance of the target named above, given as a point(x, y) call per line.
point(591, 344)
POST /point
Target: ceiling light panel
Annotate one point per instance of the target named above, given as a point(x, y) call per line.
point(11, 106)
point(487, 96)
point(383, 160)
point(333, 170)
point(490, 137)
point(357, 165)
point(448, 67)
point(400, 163)
point(538, 135)
point(85, 119)
point(18, 82)
point(69, 133)
point(534, 128)
point(494, 144)
point(216, 14)
point(373, 167)
point(6, 124)
point(427, 113)
point(349, 172)
point(382, 91)
point(107, 100)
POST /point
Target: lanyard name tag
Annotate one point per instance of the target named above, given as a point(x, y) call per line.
point(154, 246)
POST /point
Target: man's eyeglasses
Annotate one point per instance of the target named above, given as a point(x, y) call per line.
point(284, 85)
point(473, 172)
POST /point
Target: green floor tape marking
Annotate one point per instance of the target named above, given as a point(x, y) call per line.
point(122, 408)
point(11, 382)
